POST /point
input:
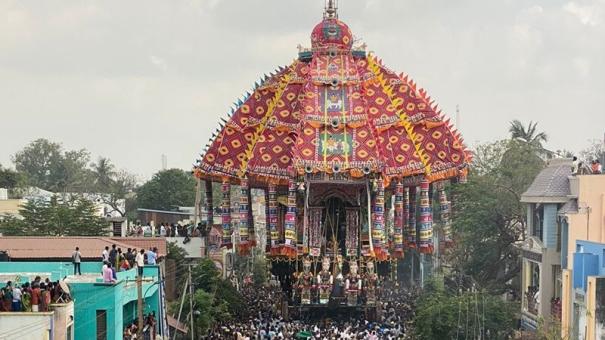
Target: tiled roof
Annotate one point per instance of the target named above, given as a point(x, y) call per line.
point(571, 207)
point(38, 247)
point(551, 184)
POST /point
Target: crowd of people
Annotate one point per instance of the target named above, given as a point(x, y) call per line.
point(264, 319)
point(166, 230)
point(579, 168)
point(34, 296)
point(115, 259)
point(131, 330)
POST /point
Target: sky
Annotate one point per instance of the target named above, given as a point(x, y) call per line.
point(133, 80)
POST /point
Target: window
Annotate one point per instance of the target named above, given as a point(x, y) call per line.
point(101, 325)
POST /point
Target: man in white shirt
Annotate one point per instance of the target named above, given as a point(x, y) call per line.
point(140, 261)
point(17, 298)
point(106, 254)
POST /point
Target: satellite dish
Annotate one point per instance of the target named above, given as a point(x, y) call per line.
point(64, 287)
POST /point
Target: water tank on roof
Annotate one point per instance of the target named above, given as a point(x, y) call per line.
point(3, 256)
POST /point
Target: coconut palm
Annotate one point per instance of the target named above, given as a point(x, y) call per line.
point(529, 135)
point(104, 173)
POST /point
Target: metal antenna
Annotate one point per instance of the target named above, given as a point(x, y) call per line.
point(331, 9)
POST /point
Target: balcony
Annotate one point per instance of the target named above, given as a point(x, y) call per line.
point(555, 308)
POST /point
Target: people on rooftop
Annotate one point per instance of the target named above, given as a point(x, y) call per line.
point(34, 296)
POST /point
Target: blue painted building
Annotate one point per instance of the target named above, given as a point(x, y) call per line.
point(100, 309)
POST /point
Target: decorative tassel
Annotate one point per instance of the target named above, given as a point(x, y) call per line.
point(273, 218)
point(226, 214)
point(426, 219)
point(445, 218)
point(209, 206)
point(410, 203)
point(378, 234)
point(289, 248)
point(398, 237)
point(244, 245)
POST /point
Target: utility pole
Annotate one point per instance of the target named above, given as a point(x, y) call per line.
point(140, 305)
point(191, 302)
point(181, 307)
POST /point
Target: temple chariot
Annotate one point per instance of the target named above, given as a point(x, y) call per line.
point(350, 156)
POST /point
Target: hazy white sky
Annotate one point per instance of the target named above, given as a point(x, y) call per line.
point(132, 80)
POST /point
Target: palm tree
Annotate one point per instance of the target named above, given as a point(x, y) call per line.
point(529, 135)
point(104, 173)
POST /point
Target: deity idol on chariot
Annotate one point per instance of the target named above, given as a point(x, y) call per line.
point(304, 283)
point(370, 283)
point(353, 284)
point(325, 280)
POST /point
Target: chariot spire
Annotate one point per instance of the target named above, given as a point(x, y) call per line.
point(331, 9)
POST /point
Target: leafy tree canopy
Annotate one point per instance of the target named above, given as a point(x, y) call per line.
point(488, 217)
point(167, 190)
point(73, 216)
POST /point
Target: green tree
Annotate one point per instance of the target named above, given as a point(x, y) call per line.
point(528, 135)
point(445, 313)
point(213, 299)
point(488, 218)
point(167, 190)
point(103, 173)
point(73, 216)
point(47, 166)
point(12, 180)
point(178, 256)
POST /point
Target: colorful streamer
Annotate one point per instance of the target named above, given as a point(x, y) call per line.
point(226, 214)
point(289, 248)
point(244, 243)
point(378, 233)
point(445, 217)
point(209, 206)
point(410, 202)
point(273, 218)
point(426, 220)
point(399, 209)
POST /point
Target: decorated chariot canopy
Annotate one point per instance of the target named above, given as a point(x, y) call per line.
point(335, 113)
point(335, 108)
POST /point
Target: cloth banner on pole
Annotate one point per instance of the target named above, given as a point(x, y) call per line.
point(315, 235)
point(352, 241)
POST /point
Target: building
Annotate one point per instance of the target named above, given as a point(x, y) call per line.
point(582, 250)
point(57, 323)
point(100, 310)
point(541, 252)
point(45, 249)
